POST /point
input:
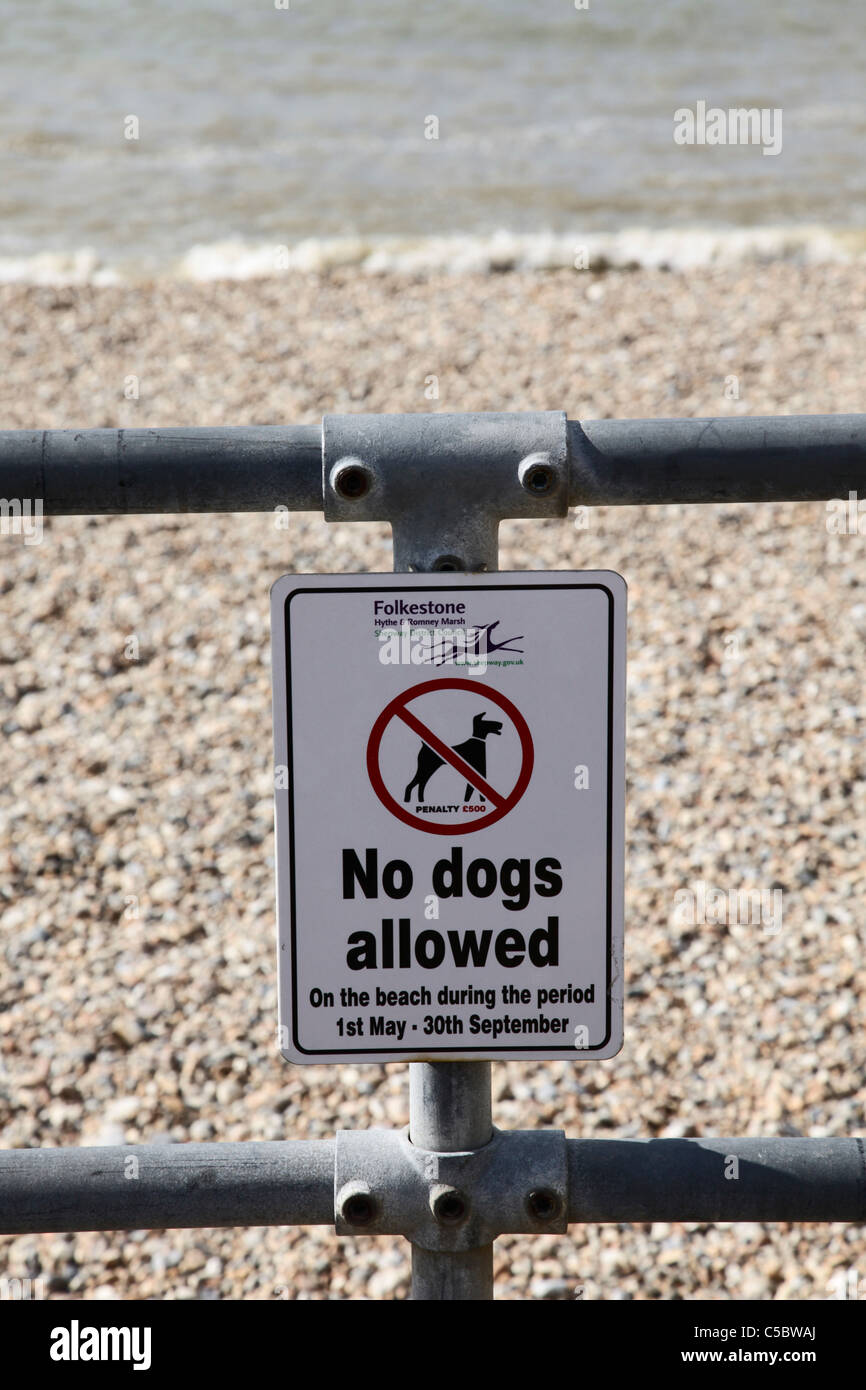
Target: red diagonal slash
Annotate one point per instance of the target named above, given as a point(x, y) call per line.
point(501, 805)
point(449, 756)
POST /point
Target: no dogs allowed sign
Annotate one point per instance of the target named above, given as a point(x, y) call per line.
point(449, 788)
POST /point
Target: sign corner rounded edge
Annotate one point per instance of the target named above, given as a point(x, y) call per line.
point(617, 582)
point(274, 591)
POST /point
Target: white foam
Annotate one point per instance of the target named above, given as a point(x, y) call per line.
point(684, 249)
point(82, 267)
point(654, 248)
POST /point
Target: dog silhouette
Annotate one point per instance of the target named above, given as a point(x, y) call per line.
point(472, 750)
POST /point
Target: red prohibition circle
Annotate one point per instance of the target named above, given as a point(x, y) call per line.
point(393, 710)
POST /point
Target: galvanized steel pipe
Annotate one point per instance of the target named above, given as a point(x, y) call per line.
point(142, 1186)
point(716, 1180)
point(450, 1111)
point(257, 468)
point(95, 472)
point(154, 1186)
point(747, 458)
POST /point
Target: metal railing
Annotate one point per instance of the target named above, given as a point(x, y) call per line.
point(788, 458)
point(452, 1182)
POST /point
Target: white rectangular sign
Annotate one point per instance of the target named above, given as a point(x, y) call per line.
point(450, 789)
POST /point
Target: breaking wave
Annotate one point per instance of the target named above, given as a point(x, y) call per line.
point(499, 252)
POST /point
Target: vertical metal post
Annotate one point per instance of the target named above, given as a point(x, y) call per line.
point(449, 1105)
point(444, 485)
point(466, 1276)
point(450, 1111)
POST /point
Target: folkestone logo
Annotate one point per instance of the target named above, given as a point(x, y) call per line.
point(436, 645)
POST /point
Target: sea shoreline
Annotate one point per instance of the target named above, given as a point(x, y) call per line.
point(684, 248)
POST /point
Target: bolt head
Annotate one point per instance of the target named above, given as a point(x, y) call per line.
point(351, 479)
point(537, 475)
point(543, 1204)
point(358, 1207)
point(449, 1206)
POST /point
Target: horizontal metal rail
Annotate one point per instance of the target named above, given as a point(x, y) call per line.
point(786, 458)
point(140, 1187)
point(155, 1186)
point(258, 468)
point(112, 472)
point(716, 1180)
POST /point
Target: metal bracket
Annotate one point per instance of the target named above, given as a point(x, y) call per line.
point(445, 481)
point(515, 1184)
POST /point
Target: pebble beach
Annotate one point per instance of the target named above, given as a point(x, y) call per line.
point(137, 913)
